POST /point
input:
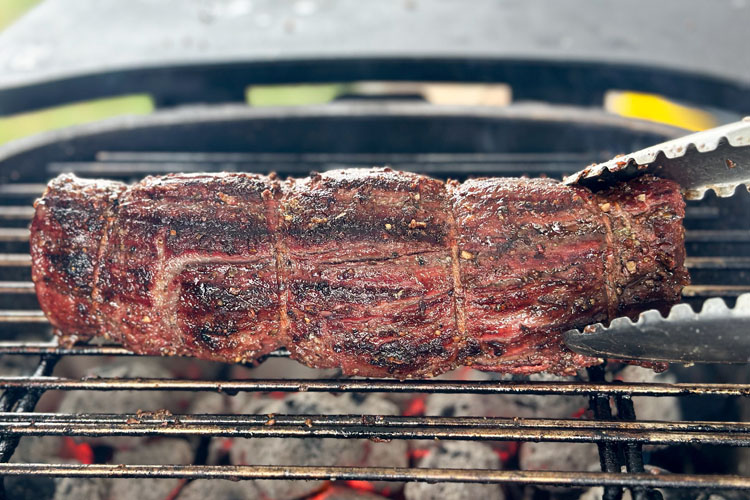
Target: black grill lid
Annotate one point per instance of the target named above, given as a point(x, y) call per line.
point(196, 51)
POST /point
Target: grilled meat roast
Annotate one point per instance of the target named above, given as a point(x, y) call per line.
point(377, 272)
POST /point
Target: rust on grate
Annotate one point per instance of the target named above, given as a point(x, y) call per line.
point(378, 427)
point(240, 472)
point(374, 385)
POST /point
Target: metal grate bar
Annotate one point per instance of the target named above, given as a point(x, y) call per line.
point(240, 472)
point(375, 385)
point(717, 262)
point(162, 418)
point(634, 451)
point(717, 236)
point(23, 316)
point(20, 189)
point(377, 427)
point(609, 458)
point(715, 290)
point(13, 212)
point(14, 235)
point(702, 212)
point(23, 400)
point(15, 260)
point(25, 287)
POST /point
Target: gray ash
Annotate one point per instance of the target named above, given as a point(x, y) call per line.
point(459, 455)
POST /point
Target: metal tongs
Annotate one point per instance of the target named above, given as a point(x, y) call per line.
point(716, 159)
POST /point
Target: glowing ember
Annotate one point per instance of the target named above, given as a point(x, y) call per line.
point(416, 407)
point(418, 453)
point(79, 451)
point(507, 451)
point(361, 485)
point(226, 445)
point(580, 412)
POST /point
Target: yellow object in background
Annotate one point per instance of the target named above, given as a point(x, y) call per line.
point(658, 109)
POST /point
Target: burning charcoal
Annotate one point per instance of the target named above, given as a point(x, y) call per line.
point(460, 455)
point(48, 449)
point(35, 449)
point(391, 454)
point(209, 403)
point(341, 493)
point(74, 488)
point(559, 456)
point(548, 406)
point(272, 368)
point(162, 451)
point(283, 368)
point(458, 405)
point(511, 405)
point(277, 451)
point(218, 489)
point(121, 401)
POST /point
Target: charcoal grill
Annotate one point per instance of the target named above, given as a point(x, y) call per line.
point(565, 66)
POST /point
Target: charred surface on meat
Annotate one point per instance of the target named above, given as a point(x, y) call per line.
point(378, 272)
point(370, 273)
point(533, 257)
point(190, 268)
point(67, 234)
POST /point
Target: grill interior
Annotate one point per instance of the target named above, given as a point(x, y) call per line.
point(717, 238)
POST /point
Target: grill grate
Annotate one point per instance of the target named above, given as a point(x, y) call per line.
point(717, 259)
point(376, 427)
point(17, 419)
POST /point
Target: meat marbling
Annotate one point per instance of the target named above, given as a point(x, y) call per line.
point(378, 272)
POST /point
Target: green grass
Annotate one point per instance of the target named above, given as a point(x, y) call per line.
point(293, 95)
point(23, 124)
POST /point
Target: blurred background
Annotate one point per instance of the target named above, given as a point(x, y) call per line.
point(629, 104)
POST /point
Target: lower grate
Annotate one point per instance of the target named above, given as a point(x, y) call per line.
point(621, 436)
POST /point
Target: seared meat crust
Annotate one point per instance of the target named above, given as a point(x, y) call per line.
point(380, 273)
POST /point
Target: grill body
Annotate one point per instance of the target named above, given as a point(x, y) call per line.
point(551, 138)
